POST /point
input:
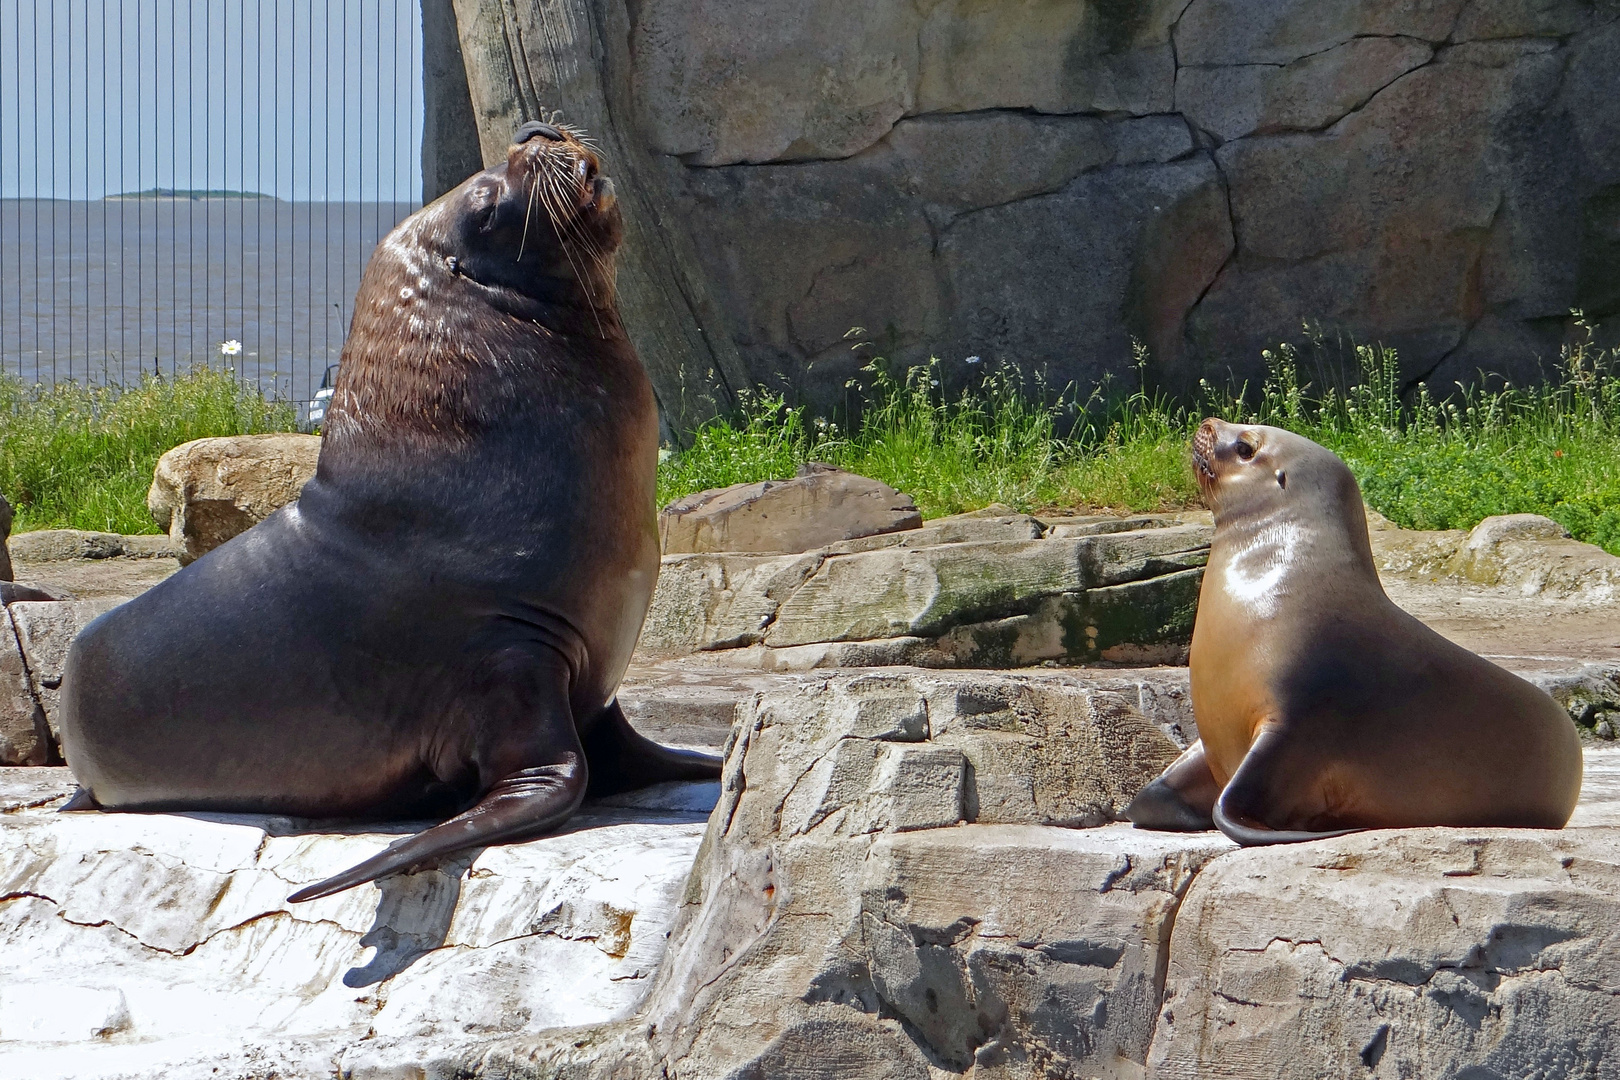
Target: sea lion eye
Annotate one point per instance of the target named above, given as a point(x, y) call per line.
point(1245, 449)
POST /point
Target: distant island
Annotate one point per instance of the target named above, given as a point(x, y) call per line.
point(189, 193)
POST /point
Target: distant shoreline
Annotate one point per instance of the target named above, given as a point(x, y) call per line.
point(193, 194)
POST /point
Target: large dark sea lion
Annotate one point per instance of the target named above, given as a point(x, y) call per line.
point(1321, 706)
point(438, 625)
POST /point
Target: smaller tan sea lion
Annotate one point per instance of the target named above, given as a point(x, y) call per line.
point(1322, 707)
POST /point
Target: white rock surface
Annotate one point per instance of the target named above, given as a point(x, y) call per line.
point(162, 944)
point(1424, 952)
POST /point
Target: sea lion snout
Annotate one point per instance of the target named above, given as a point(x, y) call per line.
point(534, 129)
point(1220, 452)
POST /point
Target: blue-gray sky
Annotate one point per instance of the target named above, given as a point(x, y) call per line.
point(301, 99)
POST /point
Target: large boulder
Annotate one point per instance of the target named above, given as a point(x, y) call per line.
point(25, 738)
point(160, 945)
point(821, 505)
point(46, 630)
point(1424, 952)
point(882, 889)
point(999, 591)
point(1527, 554)
point(206, 491)
point(1041, 182)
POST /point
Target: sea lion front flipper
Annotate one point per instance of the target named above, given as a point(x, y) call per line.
point(623, 759)
point(1180, 799)
point(526, 804)
point(1239, 812)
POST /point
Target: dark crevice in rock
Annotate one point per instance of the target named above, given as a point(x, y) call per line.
point(1161, 969)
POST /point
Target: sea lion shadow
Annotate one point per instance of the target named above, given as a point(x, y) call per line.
point(415, 909)
point(413, 918)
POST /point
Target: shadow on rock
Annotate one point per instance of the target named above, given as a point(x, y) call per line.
point(413, 918)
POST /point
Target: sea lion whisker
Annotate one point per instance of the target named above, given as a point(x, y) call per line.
point(528, 212)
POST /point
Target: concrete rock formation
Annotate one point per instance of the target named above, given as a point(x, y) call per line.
point(821, 505)
point(162, 945)
point(1039, 182)
point(206, 491)
point(1525, 553)
point(973, 591)
point(900, 879)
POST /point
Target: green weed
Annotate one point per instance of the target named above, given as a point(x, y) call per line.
point(80, 457)
point(1550, 449)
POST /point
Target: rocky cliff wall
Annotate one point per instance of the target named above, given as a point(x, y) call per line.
point(1041, 181)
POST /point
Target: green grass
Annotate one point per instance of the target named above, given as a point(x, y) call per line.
point(82, 457)
point(1550, 449)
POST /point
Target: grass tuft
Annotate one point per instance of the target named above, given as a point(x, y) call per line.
point(79, 457)
point(1551, 449)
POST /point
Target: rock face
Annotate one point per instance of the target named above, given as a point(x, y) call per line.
point(968, 592)
point(1430, 952)
point(897, 881)
point(1526, 553)
point(25, 738)
point(45, 631)
point(820, 506)
point(163, 944)
point(206, 491)
point(1038, 182)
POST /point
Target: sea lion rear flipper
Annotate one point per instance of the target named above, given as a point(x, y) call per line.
point(526, 804)
point(1181, 798)
point(623, 759)
point(1239, 812)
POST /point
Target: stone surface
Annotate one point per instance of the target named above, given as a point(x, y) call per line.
point(45, 631)
point(835, 894)
point(24, 737)
point(974, 591)
point(1036, 183)
point(206, 491)
point(56, 545)
point(162, 945)
point(820, 506)
point(1426, 952)
point(1525, 553)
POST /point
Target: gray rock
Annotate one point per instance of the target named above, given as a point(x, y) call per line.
point(1039, 183)
point(820, 506)
point(1308, 94)
point(832, 892)
point(24, 737)
point(1422, 952)
point(58, 545)
point(162, 945)
point(721, 85)
point(1127, 596)
point(206, 491)
point(1533, 555)
point(45, 631)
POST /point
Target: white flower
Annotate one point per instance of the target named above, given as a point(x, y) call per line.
point(972, 360)
point(230, 348)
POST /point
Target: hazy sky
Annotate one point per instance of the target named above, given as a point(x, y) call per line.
point(301, 99)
